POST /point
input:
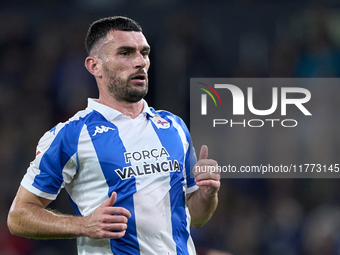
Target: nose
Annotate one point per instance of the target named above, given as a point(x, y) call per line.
point(141, 61)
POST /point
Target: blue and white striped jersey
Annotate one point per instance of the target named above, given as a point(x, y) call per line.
point(146, 160)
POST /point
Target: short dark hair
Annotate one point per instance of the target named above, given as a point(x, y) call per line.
point(101, 27)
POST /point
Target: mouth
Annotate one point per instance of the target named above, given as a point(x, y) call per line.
point(140, 78)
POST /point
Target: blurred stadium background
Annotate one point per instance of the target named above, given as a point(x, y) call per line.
point(43, 81)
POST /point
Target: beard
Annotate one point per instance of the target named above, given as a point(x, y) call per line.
point(122, 90)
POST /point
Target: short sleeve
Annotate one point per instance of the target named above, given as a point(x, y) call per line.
point(55, 163)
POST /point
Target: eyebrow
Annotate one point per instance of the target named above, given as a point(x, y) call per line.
point(129, 48)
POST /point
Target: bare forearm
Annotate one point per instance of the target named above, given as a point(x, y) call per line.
point(28, 217)
point(34, 221)
point(201, 207)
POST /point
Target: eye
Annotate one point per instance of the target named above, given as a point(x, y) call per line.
point(145, 53)
point(124, 53)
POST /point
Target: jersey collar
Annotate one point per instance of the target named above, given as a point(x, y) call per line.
point(110, 113)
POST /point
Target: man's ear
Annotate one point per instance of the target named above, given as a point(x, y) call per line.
point(93, 65)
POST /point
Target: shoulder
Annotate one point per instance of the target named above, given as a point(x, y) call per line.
point(68, 128)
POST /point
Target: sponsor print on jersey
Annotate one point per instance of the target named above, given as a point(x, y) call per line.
point(102, 129)
point(147, 168)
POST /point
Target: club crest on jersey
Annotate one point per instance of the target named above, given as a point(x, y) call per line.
point(101, 129)
point(160, 122)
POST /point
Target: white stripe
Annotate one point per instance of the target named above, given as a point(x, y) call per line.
point(89, 246)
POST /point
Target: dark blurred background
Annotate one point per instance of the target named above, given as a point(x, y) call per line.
point(43, 81)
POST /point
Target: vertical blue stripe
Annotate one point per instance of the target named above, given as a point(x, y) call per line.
point(172, 142)
point(110, 152)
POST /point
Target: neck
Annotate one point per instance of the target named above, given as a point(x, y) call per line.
point(131, 110)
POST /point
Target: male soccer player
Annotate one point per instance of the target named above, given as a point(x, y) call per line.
point(125, 166)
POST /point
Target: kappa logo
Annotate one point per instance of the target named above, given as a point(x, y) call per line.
point(101, 129)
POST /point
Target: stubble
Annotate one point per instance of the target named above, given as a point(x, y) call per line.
point(123, 90)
